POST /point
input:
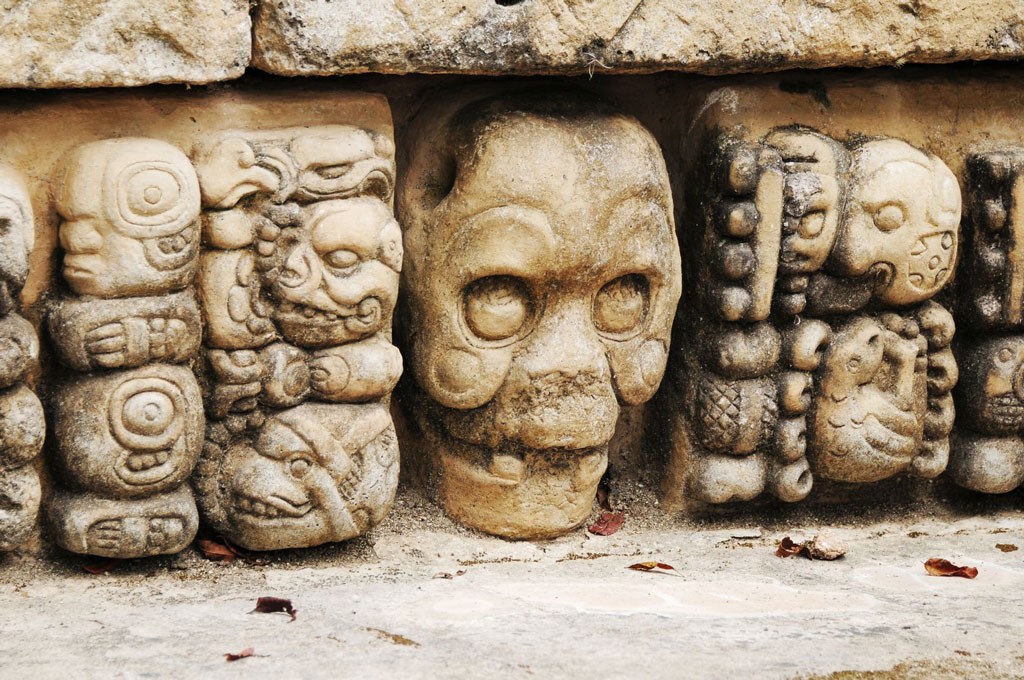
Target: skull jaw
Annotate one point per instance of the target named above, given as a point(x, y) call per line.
point(531, 494)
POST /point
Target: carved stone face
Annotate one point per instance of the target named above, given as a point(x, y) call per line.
point(812, 197)
point(868, 417)
point(541, 289)
point(295, 485)
point(900, 223)
point(130, 433)
point(334, 279)
point(129, 208)
point(992, 380)
point(17, 233)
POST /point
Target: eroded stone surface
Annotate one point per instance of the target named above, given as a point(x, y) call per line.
point(92, 43)
point(821, 352)
point(128, 437)
point(542, 276)
point(298, 292)
point(294, 37)
point(22, 427)
point(988, 453)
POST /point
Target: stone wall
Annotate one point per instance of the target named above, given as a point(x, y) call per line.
point(746, 290)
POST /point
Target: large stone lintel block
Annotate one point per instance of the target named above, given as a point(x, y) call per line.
point(100, 43)
point(304, 37)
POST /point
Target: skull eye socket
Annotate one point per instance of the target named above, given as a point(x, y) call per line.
point(889, 217)
point(621, 305)
point(341, 259)
point(497, 307)
point(298, 467)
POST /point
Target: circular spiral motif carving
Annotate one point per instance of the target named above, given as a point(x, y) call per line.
point(147, 414)
point(153, 199)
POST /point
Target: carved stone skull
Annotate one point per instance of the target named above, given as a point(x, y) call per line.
point(542, 277)
point(900, 223)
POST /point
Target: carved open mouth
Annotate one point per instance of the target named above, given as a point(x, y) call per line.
point(271, 507)
point(312, 314)
point(363, 318)
point(366, 314)
point(148, 467)
point(1006, 410)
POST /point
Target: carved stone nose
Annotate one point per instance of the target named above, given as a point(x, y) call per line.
point(565, 345)
point(297, 269)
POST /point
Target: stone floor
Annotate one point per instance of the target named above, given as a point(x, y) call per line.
point(381, 607)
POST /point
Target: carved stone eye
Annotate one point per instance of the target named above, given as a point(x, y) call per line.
point(1005, 354)
point(853, 364)
point(298, 467)
point(621, 305)
point(812, 224)
point(496, 307)
point(889, 217)
point(341, 258)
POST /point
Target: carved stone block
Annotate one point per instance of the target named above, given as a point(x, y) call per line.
point(814, 348)
point(298, 289)
point(498, 37)
point(129, 423)
point(542, 277)
point(988, 450)
point(85, 43)
point(22, 426)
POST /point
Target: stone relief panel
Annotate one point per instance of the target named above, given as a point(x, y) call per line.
point(814, 347)
point(298, 283)
point(988, 450)
point(22, 427)
point(542, 278)
point(126, 415)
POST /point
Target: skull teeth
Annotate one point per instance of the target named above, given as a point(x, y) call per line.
point(310, 313)
point(144, 461)
point(256, 507)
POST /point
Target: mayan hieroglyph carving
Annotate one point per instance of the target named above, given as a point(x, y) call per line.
point(21, 415)
point(127, 415)
point(814, 347)
point(542, 278)
point(988, 444)
point(298, 287)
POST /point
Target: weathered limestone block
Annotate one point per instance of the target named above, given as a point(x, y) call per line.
point(988, 449)
point(93, 43)
point(815, 349)
point(22, 428)
point(298, 289)
point(301, 37)
point(127, 437)
point(542, 277)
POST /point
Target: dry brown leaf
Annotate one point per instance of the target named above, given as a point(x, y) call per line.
point(1006, 547)
point(825, 546)
point(102, 566)
point(272, 605)
point(218, 552)
point(821, 547)
point(244, 654)
point(608, 523)
point(394, 638)
point(652, 566)
point(937, 566)
point(787, 548)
